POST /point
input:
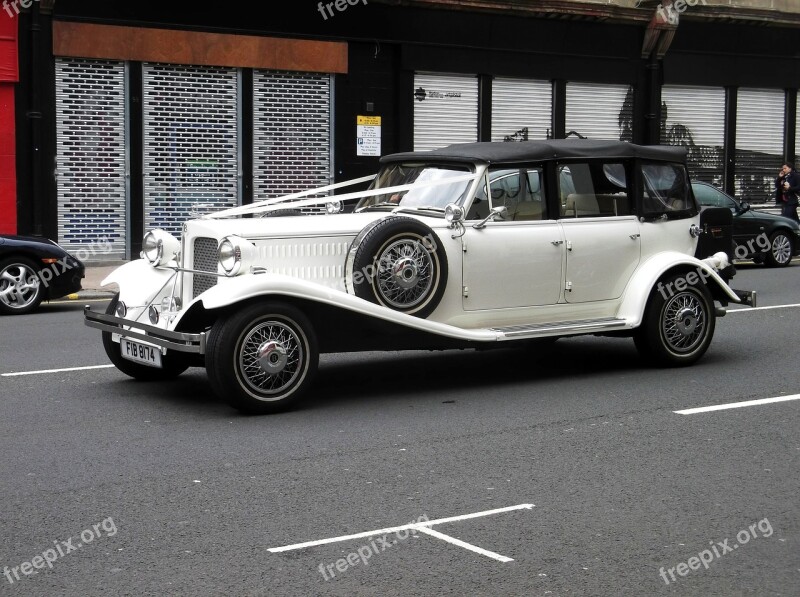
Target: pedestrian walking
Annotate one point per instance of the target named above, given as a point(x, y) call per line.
point(787, 186)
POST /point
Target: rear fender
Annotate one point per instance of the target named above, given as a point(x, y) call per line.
point(649, 276)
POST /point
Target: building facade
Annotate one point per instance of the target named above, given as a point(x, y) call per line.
point(129, 116)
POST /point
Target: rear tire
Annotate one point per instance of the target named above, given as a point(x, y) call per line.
point(678, 325)
point(173, 364)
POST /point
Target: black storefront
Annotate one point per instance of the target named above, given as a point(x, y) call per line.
point(114, 138)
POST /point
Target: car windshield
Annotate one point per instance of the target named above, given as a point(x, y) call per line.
point(429, 190)
point(708, 196)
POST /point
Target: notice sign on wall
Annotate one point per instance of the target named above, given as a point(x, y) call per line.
point(368, 135)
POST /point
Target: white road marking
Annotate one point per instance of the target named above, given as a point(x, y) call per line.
point(413, 525)
point(55, 370)
point(705, 409)
point(745, 309)
point(460, 543)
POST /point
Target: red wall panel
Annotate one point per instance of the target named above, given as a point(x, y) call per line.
point(9, 74)
point(8, 178)
point(8, 47)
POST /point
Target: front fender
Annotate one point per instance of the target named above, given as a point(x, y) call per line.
point(137, 281)
point(646, 277)
point(241, 288)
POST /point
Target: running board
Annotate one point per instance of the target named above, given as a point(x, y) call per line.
point(583, 326)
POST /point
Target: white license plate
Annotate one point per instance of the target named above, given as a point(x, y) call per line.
point(141, 353)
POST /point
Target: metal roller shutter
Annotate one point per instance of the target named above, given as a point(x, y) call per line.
point(759, 143)
point(797, 143)
point(445, 110)
point(291, 133)
point(695, 118)
point(599, 111)
point(521, 109)
point(90, 158)
point(191, 142)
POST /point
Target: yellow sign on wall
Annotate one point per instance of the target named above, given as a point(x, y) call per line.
point(368, 120)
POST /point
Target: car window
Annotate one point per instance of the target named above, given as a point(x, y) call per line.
point(709, 196)
point(590, 190)
point(532, 204)
point(520, 191)
point(666, 189)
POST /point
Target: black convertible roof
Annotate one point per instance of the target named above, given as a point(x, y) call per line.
point(524, 151)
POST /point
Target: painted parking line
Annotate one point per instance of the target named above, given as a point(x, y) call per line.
point(42, 371)
point(465, 545)
point(420, 526)
point(705, 409)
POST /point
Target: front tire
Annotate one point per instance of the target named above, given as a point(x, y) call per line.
point(678, 325)
point(780, 249)
point(263, 358)
point(21, 290)
point(172, 364)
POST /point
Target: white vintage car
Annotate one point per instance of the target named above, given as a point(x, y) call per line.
point(470, 246)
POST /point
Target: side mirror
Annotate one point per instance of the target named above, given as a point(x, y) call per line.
point(744, 208)
point(496, 213)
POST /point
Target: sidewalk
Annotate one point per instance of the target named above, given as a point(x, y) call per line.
point(91, 283)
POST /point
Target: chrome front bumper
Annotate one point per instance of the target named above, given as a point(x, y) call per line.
point(178, 341)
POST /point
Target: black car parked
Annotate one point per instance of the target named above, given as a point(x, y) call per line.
point(758, 235)
point(33, 269)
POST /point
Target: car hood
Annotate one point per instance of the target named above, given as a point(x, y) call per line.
point(15, 239)
point(766, 216)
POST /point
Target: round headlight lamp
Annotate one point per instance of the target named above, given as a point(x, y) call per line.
point(235, 255)
point(159, 247)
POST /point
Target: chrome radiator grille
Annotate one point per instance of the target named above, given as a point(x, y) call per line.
point(205, 260)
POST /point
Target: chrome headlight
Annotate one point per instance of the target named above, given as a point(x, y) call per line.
point(159, 247)
point(235, 255)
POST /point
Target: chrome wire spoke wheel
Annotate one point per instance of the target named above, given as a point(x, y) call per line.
point(19, 286)
point(399, 263)
point(271, 358)
point(684, 322)
point(405, 273)
point(262, 357)
point(781, 249)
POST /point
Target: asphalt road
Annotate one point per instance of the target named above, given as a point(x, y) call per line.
point(113, 486)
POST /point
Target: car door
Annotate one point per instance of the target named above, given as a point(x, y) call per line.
point(601, 233)
point(516, 261)
point(746, 226)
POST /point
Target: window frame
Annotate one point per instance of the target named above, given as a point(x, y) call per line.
point(692, 208)
point(592, 164)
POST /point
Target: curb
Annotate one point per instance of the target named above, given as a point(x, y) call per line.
point(89, 295)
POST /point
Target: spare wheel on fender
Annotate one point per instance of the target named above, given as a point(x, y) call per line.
point(398, 263)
